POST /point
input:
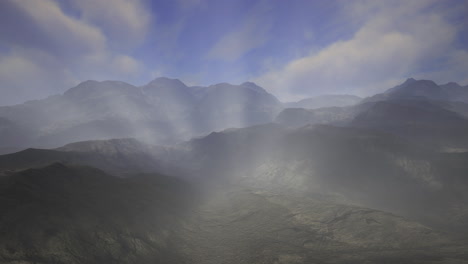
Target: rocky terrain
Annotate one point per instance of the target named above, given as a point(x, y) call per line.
point(63, 214)
point(380, 181)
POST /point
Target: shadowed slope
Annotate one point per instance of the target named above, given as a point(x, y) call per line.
point(61, 214)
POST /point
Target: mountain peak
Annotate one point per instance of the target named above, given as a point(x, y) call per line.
point(411, 82)
point(88, 88)
point(253, 86)
point(249, 84)
point(451, 85)
point(165, 81)
point(419, 88)
point(222, 84)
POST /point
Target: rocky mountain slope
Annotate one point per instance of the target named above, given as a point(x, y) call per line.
point(116, 156)
point(63, 214)
point(370, 168)
point(374, 169)
point(408, 110)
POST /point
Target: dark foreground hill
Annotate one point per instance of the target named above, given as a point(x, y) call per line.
point(63, 214)
point(133, 158)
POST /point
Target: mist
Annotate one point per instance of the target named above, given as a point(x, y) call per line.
point(233, 132)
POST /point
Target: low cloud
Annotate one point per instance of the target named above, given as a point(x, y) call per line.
point(250, 34)
point(27, 75)
point(126, 21)
point(395, 42)
point(126, 64)
point(48, 47)
point(42, 24)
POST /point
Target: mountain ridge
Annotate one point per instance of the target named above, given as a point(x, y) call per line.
point(164, 110)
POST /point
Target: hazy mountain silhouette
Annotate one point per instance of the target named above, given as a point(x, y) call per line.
point(411, 110)
point(167, 111)
point(225, 105)
point(424, 89)
point(420, 121)
point(164, 110)
point(297, 117)
point(325, 101)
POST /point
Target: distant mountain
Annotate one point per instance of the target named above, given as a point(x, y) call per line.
point(297, 117)
point(167, 111)
point(326, 109)
point(420, 121)
point(423, 89)
point(225, 105)
point(91, 110)
point(164, 110)
point(456, 91)
point(171, 98)
point(12, 134)
point(421, 111)
point(325, 101)
point(410, 109)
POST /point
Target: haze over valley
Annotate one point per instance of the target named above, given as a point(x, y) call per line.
point(345, 140)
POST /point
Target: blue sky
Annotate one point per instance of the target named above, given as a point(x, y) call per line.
point(294, 49)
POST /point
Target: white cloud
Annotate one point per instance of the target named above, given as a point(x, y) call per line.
point(64, 33)
point(250, 34)
point(50, 48)
point(31, 74)
point(125, 20)
point(109, 66)
point(396, 42)
point(126, 64)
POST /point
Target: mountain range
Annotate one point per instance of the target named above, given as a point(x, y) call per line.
point(321, 101)
point(166, 173)
point(409, 110)
point(166, 111)
point(163, 111)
